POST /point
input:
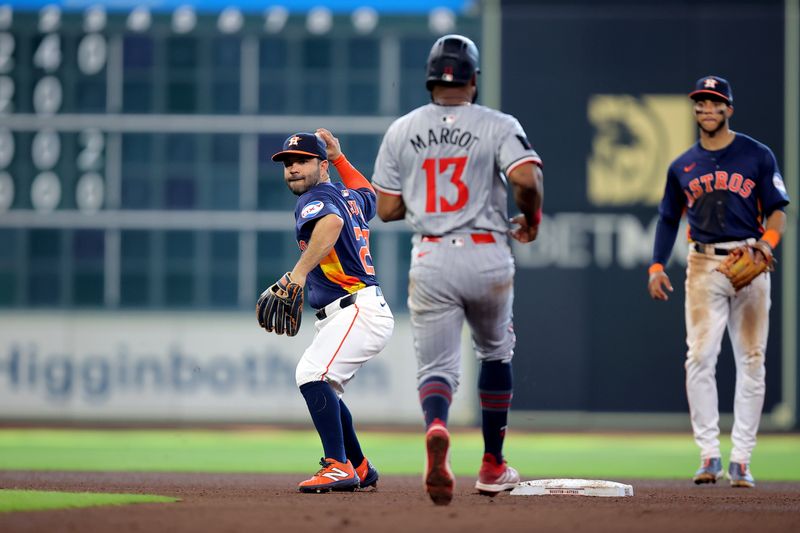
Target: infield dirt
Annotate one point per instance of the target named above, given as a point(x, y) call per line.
point(244, 503)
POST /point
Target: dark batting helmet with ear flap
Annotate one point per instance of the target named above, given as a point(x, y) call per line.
point(453, 61)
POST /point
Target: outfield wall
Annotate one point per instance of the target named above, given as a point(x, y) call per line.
point(601, 90)
point(195, 216)
point(190, 367)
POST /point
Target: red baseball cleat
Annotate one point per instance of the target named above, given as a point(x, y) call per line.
point(332, 476)
point(494, 478)
point(439, 479)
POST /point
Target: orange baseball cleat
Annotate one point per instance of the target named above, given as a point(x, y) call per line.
point(332, 476)
point(367, 474)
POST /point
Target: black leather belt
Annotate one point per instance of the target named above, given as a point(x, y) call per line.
point(343, 302)
point(709, 248)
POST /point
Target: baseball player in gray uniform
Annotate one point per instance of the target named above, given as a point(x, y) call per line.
point(445, 169)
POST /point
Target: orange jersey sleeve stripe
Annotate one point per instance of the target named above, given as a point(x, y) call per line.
point(351, 177)
point(332, 268)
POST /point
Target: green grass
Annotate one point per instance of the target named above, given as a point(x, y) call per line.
point(655, 456)
point(37, 500)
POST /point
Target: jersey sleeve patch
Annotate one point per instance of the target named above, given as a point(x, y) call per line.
point(311, 209)
point(777, 181)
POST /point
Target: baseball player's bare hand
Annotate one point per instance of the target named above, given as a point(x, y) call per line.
point(298, 277)
point(331, 143)
point(763, 252)
point(524, 233)
point(658, 285)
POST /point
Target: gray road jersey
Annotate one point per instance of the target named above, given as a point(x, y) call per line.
point(449, 165)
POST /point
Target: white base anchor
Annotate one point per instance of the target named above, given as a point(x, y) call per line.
point(573, 487)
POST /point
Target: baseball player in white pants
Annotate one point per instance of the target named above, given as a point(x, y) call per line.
point(354, 322)
point(731, 189)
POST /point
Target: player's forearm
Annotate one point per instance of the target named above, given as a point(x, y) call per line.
point(529, 203)
point(666, 232)
point(391, 207)
point(323, 238)
point(352, 178)
point(528, 185)
point(776, 225)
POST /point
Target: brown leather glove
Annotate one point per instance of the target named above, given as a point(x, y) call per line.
point(745, 263)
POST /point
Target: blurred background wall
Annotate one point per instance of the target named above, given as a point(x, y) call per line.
point(140, 215)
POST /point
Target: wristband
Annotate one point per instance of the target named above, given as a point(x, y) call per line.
point(654, 268)
point(537, 217)
point(771, 237)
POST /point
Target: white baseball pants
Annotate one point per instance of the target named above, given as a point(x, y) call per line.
point(346, 339)
point(711, 305)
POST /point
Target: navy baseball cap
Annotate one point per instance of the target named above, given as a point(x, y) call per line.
point(302, 144)
point(712, 88)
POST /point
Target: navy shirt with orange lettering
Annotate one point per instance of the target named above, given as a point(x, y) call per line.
point(348, 266)
point(727, 194)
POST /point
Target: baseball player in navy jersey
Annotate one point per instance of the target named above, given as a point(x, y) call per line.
point(354, 322)
point(731, 189)
point(445, 168)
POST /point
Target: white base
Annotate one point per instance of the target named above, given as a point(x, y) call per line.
point(572, 487)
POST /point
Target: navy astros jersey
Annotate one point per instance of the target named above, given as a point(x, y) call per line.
point(348, 267)
point(727, 194)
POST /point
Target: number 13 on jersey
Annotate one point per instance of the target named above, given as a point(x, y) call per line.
point(434, 168)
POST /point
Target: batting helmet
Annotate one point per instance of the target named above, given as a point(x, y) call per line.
point(453, 61)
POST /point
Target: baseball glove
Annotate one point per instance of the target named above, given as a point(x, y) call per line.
point(280, 307)
point(745, 263)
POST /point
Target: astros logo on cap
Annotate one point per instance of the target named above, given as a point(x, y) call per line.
point(293, 141)
point(710, 83)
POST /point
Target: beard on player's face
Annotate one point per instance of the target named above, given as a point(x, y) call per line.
point(302, 173)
